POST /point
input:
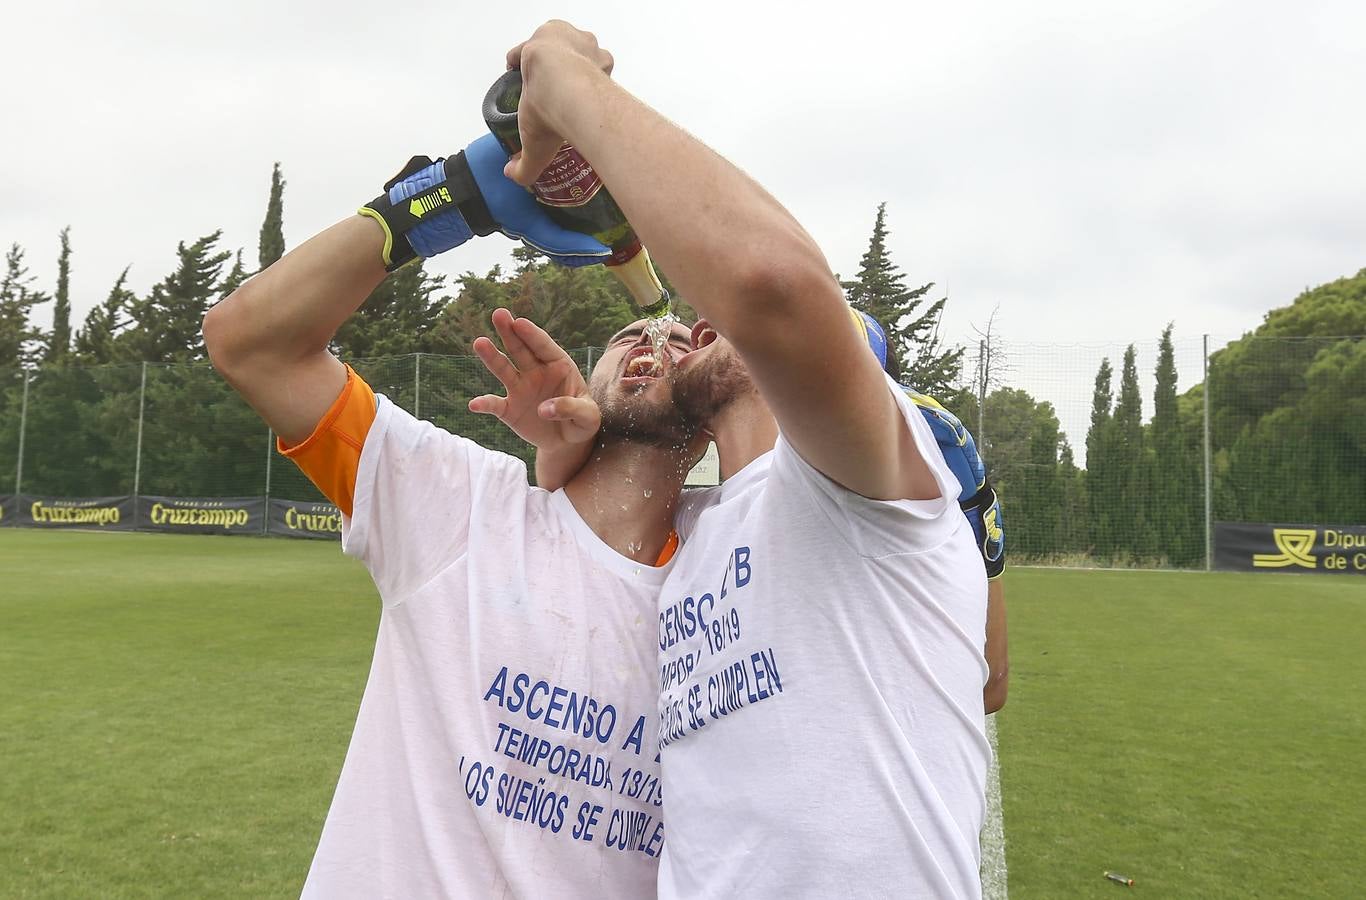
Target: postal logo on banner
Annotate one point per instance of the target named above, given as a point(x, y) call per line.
point(1296, 546)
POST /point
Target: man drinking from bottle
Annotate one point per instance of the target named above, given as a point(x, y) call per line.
point(821, 634)
point(505, 745)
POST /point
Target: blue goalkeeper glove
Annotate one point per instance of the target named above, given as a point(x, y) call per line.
point(432, 206)
point(989, 528)
point(976, 496)
point(975, 493)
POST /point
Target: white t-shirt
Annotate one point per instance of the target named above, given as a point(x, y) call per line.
point(821, 659)
point(506, 743)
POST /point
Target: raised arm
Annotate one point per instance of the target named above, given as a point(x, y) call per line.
point(738, 256)
point(269, 338)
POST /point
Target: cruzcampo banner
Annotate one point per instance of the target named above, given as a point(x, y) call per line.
point(202, 515)
point(102, 513)
point(9, 510)
point(295, 518)
point(1321, 549)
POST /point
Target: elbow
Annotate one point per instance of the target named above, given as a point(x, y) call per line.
point(994, 694)
point(223, 330)
point(774, 286)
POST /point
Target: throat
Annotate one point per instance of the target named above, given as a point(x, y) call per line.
point(627, 493)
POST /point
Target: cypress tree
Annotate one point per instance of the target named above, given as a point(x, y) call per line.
point(1133, 531)
point(59, 342)
point(1099, 468)
point(272, 243)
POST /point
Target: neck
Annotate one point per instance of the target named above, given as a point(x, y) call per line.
point(743, 430)
point(627, 493)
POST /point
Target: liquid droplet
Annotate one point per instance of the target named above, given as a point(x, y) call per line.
point(648, 492)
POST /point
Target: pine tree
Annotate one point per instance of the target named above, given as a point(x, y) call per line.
point(166, 324)
point(59, 342)
point(95, 340)
point(1037, 504)
point(912, 333)
point(21, 344)
point(233, 280)
point(1074, 533)
point(397, 318)
point(272, 243)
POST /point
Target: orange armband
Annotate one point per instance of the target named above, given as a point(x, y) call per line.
point(330, 456)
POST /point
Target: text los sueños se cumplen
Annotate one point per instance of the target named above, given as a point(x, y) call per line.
point(583, 792)
point(703, 677)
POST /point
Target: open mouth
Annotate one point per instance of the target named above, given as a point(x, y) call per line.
point(641, 363)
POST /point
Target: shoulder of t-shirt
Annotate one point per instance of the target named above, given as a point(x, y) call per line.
point(909, 525)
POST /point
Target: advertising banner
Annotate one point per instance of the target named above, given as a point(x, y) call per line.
point(101, 513)
point(202, 515)
point(9, 510)
point(1320, 549)
point(293, 518)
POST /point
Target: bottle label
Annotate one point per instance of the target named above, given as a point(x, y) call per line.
point(569, 180)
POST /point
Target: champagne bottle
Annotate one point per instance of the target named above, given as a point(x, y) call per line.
point(576, 198)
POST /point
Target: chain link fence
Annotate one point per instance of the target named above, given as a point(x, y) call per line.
point(1131, 468)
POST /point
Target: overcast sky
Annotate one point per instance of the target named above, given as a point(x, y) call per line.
point(1096, 169)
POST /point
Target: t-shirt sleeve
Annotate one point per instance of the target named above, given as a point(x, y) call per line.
point(330, 456)
point(877, 528)
point(418, 490)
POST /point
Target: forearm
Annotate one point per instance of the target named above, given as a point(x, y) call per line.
point(269, 338)
point(740, 249)
point(747, 267)
point(554, 468)
point(998, 663)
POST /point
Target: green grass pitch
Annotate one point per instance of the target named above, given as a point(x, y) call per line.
point(175, 712)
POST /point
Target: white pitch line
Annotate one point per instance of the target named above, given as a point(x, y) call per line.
point(993, 829)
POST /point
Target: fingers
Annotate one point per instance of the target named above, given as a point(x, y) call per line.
point(538, 342)
point(569, 409)
point(540, 143)
point(498, 365)
point(579, 417)
point(489, 404)
point(513, 345)
point(538, 152)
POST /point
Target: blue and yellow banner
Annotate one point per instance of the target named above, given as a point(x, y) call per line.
point(1302, 549)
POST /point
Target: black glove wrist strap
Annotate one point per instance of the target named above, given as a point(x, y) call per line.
point(457, 192)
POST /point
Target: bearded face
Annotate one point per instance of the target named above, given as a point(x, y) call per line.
point(633, 387)
point(709, 378)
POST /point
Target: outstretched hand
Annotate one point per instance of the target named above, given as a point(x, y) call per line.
point(547, 403)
